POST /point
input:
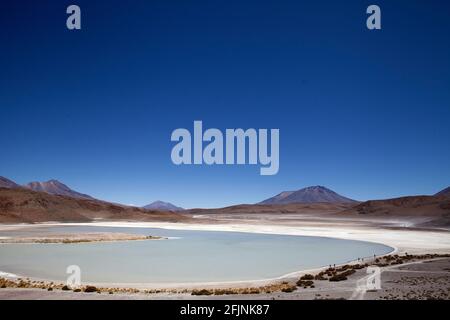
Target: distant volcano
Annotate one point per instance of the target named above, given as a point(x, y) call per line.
point(57, 188)
point(163, 206)
point(444, 193)
point(308, 195)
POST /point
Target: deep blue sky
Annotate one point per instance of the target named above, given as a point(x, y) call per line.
point(366, 113)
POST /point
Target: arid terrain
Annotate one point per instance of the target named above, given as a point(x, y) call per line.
point(422, 211)
point(21, 205)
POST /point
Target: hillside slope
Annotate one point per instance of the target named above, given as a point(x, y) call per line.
point(22, 205)
point(57, 188)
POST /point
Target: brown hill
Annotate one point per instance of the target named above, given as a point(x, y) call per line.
point(409, 206)
point(436, 210)
point(316, 208)
point(420, 211)
point(22, 205)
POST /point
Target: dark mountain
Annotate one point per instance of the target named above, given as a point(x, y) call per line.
point(57, 188)
point(314, 194)
point(163, 206)
point(6, 183)
point(444, 193)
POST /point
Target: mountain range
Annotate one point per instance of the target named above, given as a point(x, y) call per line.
point(56, 187)
point(308, 195)
point(54, 201)
point(51, 187)
point(23, 205)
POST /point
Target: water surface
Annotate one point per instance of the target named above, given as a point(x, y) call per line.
point(188, 256)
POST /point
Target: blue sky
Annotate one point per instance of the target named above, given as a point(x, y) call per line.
point(365, 113)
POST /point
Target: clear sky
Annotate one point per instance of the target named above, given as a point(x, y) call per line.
point(365, 113)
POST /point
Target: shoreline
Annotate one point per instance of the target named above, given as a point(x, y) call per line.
point(70, 238)
point(348, 232)
point(401, 239)
point(192, 227)
point(207, 285)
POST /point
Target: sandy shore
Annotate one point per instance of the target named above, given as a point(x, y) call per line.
point(78, 238)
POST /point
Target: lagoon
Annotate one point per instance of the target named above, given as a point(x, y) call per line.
point(186, 257)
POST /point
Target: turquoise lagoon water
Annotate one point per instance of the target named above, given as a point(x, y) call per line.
point(188, 256)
